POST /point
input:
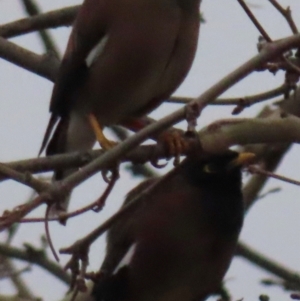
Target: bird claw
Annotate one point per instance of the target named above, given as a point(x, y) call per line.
point(175, 143)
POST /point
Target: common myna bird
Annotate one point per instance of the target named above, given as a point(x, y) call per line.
point(178, 243)
point(123, 58)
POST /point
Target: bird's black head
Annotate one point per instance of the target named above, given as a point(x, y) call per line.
point(224, 167)
point(217, 180)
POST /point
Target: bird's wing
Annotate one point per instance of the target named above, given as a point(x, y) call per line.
point(88, 32)
point(112, 284)
point(119, 240)
point(121, 236)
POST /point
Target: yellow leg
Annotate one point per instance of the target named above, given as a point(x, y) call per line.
point(103, 141)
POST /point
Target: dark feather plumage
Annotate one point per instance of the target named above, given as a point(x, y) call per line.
point(182, 238)
point(123, 59)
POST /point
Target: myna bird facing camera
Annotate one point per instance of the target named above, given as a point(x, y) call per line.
point(178, 243)
point(123, 59)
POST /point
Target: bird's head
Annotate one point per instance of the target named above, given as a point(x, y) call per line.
point(223, 166)
point(227, 162)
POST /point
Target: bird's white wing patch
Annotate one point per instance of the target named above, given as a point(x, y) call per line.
point(126, 259)
point(96, 51)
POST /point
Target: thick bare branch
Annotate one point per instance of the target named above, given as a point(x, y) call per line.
point(43, 65)
point(52, 19)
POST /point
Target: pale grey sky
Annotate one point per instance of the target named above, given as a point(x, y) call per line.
point(226, 40)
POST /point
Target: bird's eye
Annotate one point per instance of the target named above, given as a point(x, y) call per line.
point(211, 168)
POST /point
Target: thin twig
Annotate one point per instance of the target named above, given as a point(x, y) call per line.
point(257, 170)
point(95, 206)
point(245, 101)
point(16, 278)
point(287, 14)
point(37, 258)
point(267, 193)
point(254, 20)
point(100, 202)
point(271, 158)
point(24, 178)
point(48, 236)
point(11, 217)
point(291, 64)
point(267, 264)
point(32, 9)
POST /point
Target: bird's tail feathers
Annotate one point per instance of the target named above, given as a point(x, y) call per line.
point(50, 126)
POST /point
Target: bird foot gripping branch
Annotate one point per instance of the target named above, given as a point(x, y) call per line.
point(177, 143)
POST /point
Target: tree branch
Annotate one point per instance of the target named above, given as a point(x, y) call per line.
point(267, 264)
point(32, 9)
point(243, 101)
point(62, 188)
point(43, 65)
point(35, 257)
point(52, 19)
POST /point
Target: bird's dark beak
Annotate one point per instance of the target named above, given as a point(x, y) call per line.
point(243, 159)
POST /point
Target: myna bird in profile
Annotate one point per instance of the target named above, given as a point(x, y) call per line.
point(123, 58)
point(178, 243)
